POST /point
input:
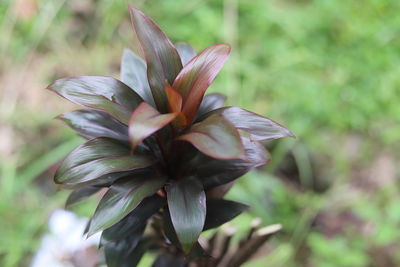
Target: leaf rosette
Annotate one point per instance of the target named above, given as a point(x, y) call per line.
point(159, 145)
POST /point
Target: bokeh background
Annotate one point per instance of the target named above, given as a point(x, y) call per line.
point(328, 70)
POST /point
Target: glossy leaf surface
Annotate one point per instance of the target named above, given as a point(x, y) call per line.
point(216, 138)
point(220, 211)
point(145, 121)
point(101, 93)
point(186, 202)
point(210, 102)
point(194, 79)
point(93, 123)
point(134, 74)
point(163, 61)
point(259, 127)
point(96, 158)
point(134, 220)
point(81, 193)
point(122, 252)
point(186, 52)
point(123, 197)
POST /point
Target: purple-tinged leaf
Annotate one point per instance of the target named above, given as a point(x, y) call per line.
point(174, 99)
point(93, 123)
point(210, 102)
point(134, 220)
point(80, 194)
point(101, 93)
point(163, 61)
point(194, 79)
point(186, 52)
point(186, 202)
point(259, 127)
point(123, 197)
point(122, 252)
point(220, 211)
point(134, 74)
point(96, 158)
point(215, 137)
point(145, 121)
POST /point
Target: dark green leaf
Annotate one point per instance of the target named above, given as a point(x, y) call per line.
point(81, 193)
point(145, 121)
point(210, 102)
point(186, 52)
point(194, 79)
point(96, 158)
point(123, 197)
point(102, 93)
point(163, 61)
point(186, 202)
point(124, 252)
point(215, 137)
point(92, 123)
point(169, 260)
point(134, 219)
point(259, 127)
point(220, 211)
point(134, 74)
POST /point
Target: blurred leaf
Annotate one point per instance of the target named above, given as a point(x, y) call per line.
point(163, 61)
point(145, 121)
point(194, 79)
point(211, 102)
point(220, 211)
point(123, 252)
point(134, 74)
point(81, 193)
point(216, 138)
point(168, 260)
point(123, 197)
point(102, 93)
point(186, 52)
point(134, 220)
point(98, 157)
point(92, 124)
point(186, 202)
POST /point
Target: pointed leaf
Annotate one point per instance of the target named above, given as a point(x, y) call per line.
point(123, 197)
point(134, 220)
point(123, 252)
point(220, 211)
point(186, 52)
point(101, 93)
point(259, 127)
point(174, 99)
point(134, 74)
point(96, 158)
point(194, 79)
point(145, 121)
point(216, 137)
point(80, 194)
point(92, 124)
point(163, 61)
point(211, 102)
point(186, 202)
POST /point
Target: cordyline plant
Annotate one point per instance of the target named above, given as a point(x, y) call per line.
point(165, 151)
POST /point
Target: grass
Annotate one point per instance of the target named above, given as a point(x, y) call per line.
point(327, 70)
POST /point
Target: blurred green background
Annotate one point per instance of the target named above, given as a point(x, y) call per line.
point(328, 70)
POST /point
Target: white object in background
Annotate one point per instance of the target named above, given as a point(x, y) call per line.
point(64, 239)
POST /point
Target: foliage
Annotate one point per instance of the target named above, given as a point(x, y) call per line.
point(159, 145)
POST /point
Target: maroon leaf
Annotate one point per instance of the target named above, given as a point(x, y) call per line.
point(259, 127)
point(197, 75)
point(145, 121)
point(101, 93)
point(216, 137)
point(163, 61)
point(210, 102)
point(186, 202)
